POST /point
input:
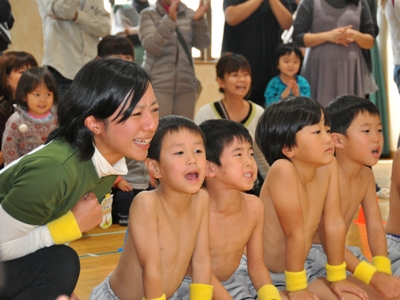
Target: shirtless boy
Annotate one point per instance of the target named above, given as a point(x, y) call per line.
point(393, 221)
point(358, 139)
point(236, 218)
point(301, 188)
point(169, 226)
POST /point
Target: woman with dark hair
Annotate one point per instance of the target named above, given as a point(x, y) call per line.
point(12, 65)
point(334, 32)
point(51, 196)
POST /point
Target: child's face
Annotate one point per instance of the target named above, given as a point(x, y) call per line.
point(236, 83)
point(40, 100)
point(13, 78)
point(364, 139)
point(182, 164)
point(238, 167)
point(289, 64)
point(130, 138)
point(314, 145)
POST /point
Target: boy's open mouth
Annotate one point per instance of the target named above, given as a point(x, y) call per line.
point(192, 176)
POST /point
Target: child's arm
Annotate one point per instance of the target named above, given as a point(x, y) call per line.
point(257, 269)
point(219, 291)
point(143, 228)
point(334, 239)
point(201, 261)
point(273, 92)
point(11, 137)
point(286, 201)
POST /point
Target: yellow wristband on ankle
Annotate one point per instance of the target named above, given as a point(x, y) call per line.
point(268, 292)
point(335, 273)
point(64, 229)
point(364, 271)
point(199, 291)
point(383, 264)
point(296, 281)
point(163, 297)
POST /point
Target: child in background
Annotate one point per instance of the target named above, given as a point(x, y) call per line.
point(34, 117)
point(234, 80)
point(169, 226)
point(236, 218)
point(116, 46)
point(301, 190)
point(357, 136)
point(288, 60)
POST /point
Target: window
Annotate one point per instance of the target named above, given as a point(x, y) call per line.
point(216, 20)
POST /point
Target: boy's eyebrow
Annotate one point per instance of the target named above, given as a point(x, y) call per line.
point(242, 148)
point(181, 144)
point(369, 124)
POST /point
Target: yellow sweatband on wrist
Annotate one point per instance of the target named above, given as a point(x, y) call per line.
point(64, 229)
point(335, 273)
point(268, 292)
point(163, 297)
point(383, 264)
point(364, 271)
point(296, 281)
point(199, 291)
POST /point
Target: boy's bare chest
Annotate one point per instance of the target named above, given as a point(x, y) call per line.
point(230, 232)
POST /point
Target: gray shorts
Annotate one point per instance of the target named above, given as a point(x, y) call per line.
point(393, 244)
point(317, 258)
point(236, 285)
point(103, 291)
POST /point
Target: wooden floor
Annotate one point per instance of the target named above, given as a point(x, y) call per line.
point(99, 249)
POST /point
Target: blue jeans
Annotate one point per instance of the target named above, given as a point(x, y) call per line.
point(396, 76)
point(63, 83)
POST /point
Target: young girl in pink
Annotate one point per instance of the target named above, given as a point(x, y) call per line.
point(34, 117)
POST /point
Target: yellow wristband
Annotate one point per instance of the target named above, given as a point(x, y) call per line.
point(268, 292)
point(364, 271)
point(163, 297)
point(64, 229)
point(335, 273)
point(383, 264)
point(296, 281)
point(199, 291)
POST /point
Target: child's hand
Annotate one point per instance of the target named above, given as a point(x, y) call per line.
point(341, 286)
point(173, 9)
point(201, 10)
point(124, 186)
point(302, 295)
point(295, 88)
point(387, 284)
point(286, 92)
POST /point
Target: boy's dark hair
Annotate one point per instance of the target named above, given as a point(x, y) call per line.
point(170, 124)
point(344, 109)
point(115, 45)
point(219, 134)
point(284, 49)
point(280, 122)
point(30, 80)
point(231, 62)
point(99, 89)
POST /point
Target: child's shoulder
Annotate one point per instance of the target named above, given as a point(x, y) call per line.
point(252, 201)
point(145, 200)
point(281, 167)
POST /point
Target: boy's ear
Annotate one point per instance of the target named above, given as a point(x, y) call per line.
point(210, 169)
point(337, 140)
point(287, 151)
point(93, 125)
point(152, 165)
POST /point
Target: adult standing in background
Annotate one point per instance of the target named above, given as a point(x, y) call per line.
point(165, 59)
point(5, 11)
point(71, 30)
point(334, 31)
point(253, 28)
point(391, 9)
